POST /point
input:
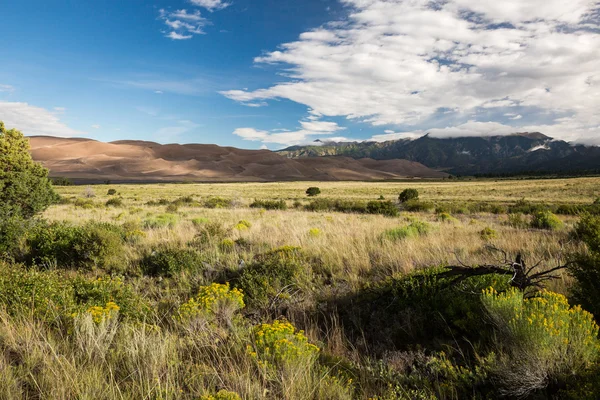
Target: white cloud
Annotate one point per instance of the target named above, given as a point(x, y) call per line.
point(289, 138)
point(6, 88)
point(34, 121)
point(404, 62)
point(182, 24)
point(211, 5)
point(96, 126)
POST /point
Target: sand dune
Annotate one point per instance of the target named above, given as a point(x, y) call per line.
point(87, 160)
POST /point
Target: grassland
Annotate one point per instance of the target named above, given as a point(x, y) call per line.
point(117, 325)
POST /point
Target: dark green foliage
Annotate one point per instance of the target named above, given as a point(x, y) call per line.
point(586, 269)
point(217, 202)
point(46, 294)
point(210, 233)
point(269, 204)
point(313, 191)
point(517, 221)
point(417, 206)
point(99, 291)
point(488, 233)
point(525, 207)
point(597, 201)
point(111, 192)
point(67, 246)
point(167, 261)
point(418, 309)
point(546, 220)
point(386, 208)
point(114, 202)
point(271, 276)
point(24, 185)
point(61, 181)
point(161, 221)
point(172, 208)
point(408, 194)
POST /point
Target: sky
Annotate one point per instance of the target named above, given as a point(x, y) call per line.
point(275, 73)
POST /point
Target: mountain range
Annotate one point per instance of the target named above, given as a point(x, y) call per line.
point(86, 160)
point(529, 152)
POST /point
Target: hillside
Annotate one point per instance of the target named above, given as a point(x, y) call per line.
point(520, 152)
point(88, 160)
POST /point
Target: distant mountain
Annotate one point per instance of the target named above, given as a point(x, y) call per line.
point(86, 160)
point(530, 152)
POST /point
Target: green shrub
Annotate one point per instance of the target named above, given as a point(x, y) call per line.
point(488, 233)
point(114, 202)
point(269, 204)
point(417, 206)
point(597, 201)
point(88, 246)
point(415, 229)
point(184, 201)
point(167, 261)
point(215, 301)
point(268, 274)
point(546, 220)
point(221, 395)
point(541, 340)
point(84, 203)
point(61, 181)
point(227, 245)
point(586, 269)
point(45, 294)
point(210, 233)
point(161, 221)
point(445, 217)
point(408, 195)
point(243, 225)
point(111, 192)
point(200, 221)
point(313, 191)
point(517, 221)
point(172, 208)
point(25, 189)
point(218, 202)
point(102, 290)
point(386, 208)
point(525, 207)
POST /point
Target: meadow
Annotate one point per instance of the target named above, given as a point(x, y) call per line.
point(255, 290)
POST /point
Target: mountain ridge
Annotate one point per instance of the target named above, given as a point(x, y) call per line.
point(531, 152)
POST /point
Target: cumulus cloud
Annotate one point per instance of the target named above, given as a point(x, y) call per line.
point(290, 138)
point(211, 5)
point(405, 62)
point(33, 121)
point(182, 24)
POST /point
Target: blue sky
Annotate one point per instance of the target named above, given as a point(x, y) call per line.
point(281, 72)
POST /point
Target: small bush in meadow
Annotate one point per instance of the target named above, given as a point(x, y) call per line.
point(84, 203)
point(172, 208)
point(546, 220)
point(168, 261)
point(161, 221)
point(587, 230)
point(227, 245)
point(263, 280)
point(269, 204)
point(111, 192)
point(211, 232)
point(541, 340)
point(417, 206)
point(313, 191)
point(517, 221)
point(415, 229)
point(586, 270)
point(243, 225)
point(314, 232)
point(446, 217)
point(279, 344)
point(101, 313)
point(407, 195)
point(114, 202)
point(88, 193)
point(159, 202)
point(64, 245)
point(597, 201)
point(386, 208)
point(488, 233)
point(217, 202)
point(213, 301)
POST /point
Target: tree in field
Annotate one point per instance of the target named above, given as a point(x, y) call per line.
point(313, 191)
point(24, 186)
point(408, 194)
